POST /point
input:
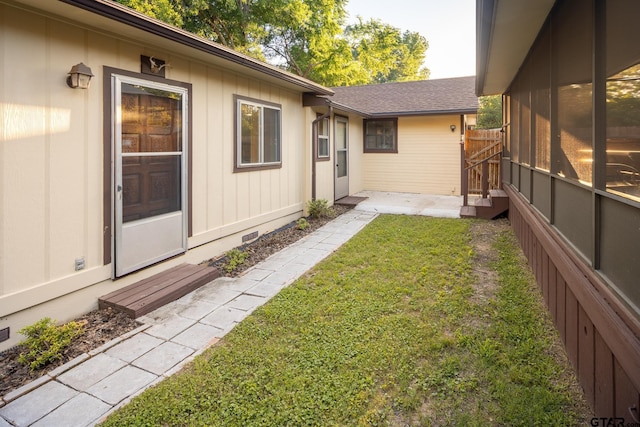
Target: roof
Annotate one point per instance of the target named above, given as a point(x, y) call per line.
point(505, 31)
point(108, 16)
point(423, 97)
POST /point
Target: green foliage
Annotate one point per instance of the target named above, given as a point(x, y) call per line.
point(390, 330)
point(302, 224)
point(385, 54)
point(305, 37)
point(169, 11)
point(490, 112)
point(235, 258)
point(320, 208)
point(45, 341)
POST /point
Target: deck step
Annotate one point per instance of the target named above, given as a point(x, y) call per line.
point(148, 294)
point(350, 201)
point(488, 208)
point(468, 212)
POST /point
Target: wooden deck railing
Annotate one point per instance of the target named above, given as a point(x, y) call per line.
point(480, 162)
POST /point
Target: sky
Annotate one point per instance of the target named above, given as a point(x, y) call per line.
point(448, 25)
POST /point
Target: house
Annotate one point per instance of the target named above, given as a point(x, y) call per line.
point(397, 137)
point(569, 73)
point(411, 132)
point(178, 150)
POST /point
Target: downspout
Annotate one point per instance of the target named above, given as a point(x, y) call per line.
point(314, 147)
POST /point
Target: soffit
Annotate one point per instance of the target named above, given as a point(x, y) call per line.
point(504, 39)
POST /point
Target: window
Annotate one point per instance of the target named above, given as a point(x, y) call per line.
point(258, 134)
point(623, 99)
point(573, 43)
point(380, 136)
point(541, 102)
point(323, 139)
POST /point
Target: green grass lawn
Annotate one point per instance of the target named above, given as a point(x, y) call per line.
point(395, 328)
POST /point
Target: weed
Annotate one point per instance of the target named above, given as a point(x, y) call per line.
point(302, 224)
point(45, 341)
point(320, 208)
point(235, 258)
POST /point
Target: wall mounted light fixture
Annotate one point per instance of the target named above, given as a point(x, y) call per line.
point(453, 128)
point(79, 76)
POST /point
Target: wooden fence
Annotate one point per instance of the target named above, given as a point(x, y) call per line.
point(482, 146)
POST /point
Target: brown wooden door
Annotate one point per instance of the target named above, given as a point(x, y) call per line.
point(150, 124)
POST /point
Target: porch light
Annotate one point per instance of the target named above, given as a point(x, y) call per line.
point(79, 76)
point(453, 128)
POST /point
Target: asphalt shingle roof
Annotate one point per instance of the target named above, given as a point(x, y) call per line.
point(439, 96)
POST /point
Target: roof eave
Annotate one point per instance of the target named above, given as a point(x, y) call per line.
point(423, 113)
point(505, 31)
point(122, 14)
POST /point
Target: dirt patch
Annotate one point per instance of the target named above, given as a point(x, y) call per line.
point(101, 326)
point(483, 235)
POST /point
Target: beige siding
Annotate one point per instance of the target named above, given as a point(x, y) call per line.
point(51, 164)
point(428, 158)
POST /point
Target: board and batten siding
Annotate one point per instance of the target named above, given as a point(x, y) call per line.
point(51, 163)
point(427, 162)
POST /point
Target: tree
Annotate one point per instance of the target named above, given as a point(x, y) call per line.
point(385, 54)
point(490, 112)
point(305, 37)
point(164, 10)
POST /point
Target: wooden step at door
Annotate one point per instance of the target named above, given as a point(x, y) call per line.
point(148, 294)
point(488, 208)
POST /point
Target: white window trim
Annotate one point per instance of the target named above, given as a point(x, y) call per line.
point(326, 138)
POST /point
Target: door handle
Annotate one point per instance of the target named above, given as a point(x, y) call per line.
point(119, 191)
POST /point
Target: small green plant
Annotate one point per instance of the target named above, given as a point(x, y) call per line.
point(302, 224)
point(235, 258)
point(320, 208)
point(45, 341)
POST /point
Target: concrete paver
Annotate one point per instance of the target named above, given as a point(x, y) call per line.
point(35, 405)
point(197, 336)
point(92, 371)
point(162, 358)
point(224, 318)
point(171, 326)
point(129, 350)
point(81, 410)
point(121, 384)
point(196, 309)
point(265, 290)
point(247, 302)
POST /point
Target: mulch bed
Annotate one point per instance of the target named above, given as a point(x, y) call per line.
point(101, 326)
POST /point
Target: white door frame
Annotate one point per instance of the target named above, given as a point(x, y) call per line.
point(341, 183)
point(139, 243)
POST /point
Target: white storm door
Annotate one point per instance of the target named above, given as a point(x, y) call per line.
point(342, 157)
point(150, 141)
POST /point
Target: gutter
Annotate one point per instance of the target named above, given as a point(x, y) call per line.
point(485, 17)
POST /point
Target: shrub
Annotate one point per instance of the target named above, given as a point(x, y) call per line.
point(302, 224)
point(45, 341)
point(320, 208)
point(235, 258)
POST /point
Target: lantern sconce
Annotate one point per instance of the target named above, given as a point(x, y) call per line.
point(453, 128)
point(79, 76)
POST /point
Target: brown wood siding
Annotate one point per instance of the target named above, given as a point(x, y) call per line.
point(601, 340)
